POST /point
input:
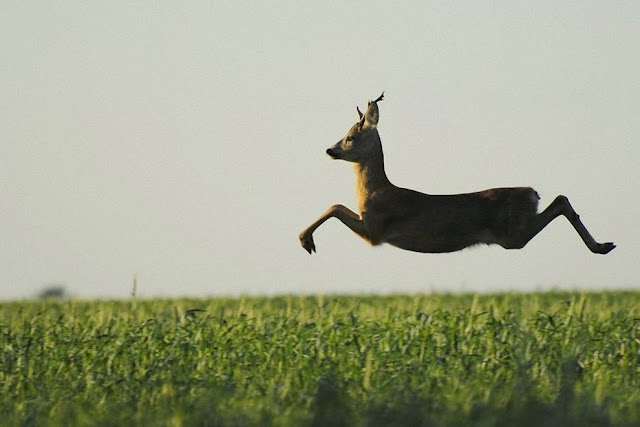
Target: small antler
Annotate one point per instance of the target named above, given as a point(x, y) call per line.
point(380, 98)
point(359, 112)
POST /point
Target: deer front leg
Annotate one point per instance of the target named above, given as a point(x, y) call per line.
point(348, 218)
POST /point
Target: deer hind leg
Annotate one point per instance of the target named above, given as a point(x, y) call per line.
point(560, 206)
point(344, 214)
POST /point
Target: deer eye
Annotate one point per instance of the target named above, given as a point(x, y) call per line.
point(349, 138)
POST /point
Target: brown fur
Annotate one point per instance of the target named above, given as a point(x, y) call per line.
point(421, 222)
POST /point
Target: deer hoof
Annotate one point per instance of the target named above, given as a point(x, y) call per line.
point(605, 248)
point(306, 240)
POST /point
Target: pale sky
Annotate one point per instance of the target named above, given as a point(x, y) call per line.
point(184, 142)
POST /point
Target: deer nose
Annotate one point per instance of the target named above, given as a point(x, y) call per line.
point(330, 152)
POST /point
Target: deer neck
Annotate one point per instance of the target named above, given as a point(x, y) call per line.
point(370, 177)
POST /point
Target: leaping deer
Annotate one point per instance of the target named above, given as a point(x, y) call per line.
point(428, 223)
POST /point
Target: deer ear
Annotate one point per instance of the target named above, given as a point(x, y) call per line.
point(372, 115)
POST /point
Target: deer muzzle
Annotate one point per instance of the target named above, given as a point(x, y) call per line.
point(331, 153)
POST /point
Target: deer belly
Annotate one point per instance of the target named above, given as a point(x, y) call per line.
point(438, 242)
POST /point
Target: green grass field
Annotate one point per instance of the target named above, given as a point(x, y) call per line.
point(483, 360)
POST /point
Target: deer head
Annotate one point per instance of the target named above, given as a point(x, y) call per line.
point(362, 140)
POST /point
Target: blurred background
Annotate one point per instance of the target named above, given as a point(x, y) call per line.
point(180, 146)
